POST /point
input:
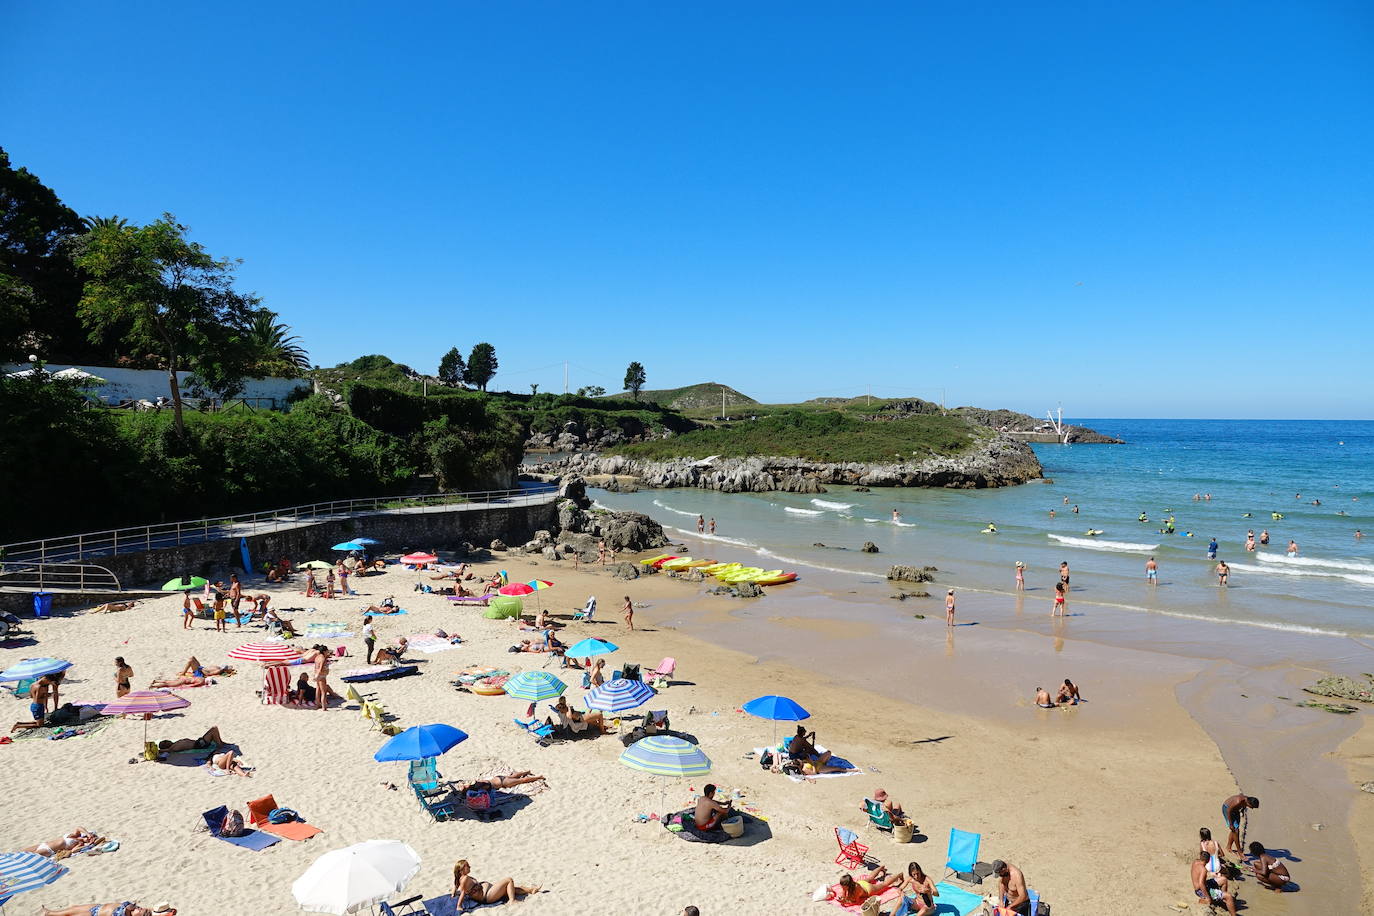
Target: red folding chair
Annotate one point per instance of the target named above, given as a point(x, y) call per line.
point(853, 854)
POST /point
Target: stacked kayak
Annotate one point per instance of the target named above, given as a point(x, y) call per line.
point(725, 572)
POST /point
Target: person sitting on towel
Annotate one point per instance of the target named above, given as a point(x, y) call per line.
point(709, 812)
point(391, 655)
point(575, 721)
point(802, 749)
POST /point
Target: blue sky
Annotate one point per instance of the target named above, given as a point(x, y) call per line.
point(1156, 209)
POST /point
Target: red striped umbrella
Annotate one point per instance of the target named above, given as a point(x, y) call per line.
point(418, 559)
point(265, 652)
point(146, 703)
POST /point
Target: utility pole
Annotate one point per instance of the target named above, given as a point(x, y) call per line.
point(722, 402)
point(565, 376)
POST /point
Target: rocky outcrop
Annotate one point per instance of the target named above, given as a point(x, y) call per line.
point(912, 574)
point(997, 461)
point(584, 529)
point(869, 547)
point(573, 436)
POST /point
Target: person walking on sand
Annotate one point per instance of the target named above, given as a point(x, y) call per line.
point(1223, 573)
point(712, 525)
point(1058, 609)
point(321, 678)
point(629, 610)
point(949, 608)
point(123, 675)
point(601, 552)
point(1235, 813)
point(1020, 576)
point(1152, 571)
point(235, 596)
point(188, 612)
point(369, 637)
point(701, 524)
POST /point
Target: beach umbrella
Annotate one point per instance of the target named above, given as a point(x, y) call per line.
point(534, 686)
point(145, 703)
point(779, 709)
point(265, 652)
point(349, 545)
point(184, 583)
point(33, 668)
point(515, 589)
point(26, 871)
point(315, 564)
point(356, 877)
point(618, 695)
point(367, 542)
point(419, 742)
point(666, 756)
point(589, 647)
point(418, 559)
point(538, 585)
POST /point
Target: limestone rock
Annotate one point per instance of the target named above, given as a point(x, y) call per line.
point(909, 574)
point(499, 544)
point(748, 590)
point(626, 571)
point(869, 547)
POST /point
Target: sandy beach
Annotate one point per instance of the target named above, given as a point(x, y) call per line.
point(1065, 794)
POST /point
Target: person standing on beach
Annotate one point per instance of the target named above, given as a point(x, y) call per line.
point(629, 610)
point(188, 612)
point(601, 552)
point(712, 525)
point(342, 575)
point(701, 524)
point(1234, 811)
point(219, 609)
point(235, 596)
point(369, 637)
point(1152, 571)
point(1223, 573)
point(329, 583)
point(321, 678)
point(1058, 609)
point(123, 676)
point(949, 608)
point(1064, 574)
point(1020, 576)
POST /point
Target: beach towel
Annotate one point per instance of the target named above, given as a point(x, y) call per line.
point(955, 901)
point(888, 896)
point(378, 673)
point(474, 673)
point(428, 643)
point(255, 840)
point(835, 761)
point(448, 906)
point(683, 826)
point(57, 733)
point(260, 809)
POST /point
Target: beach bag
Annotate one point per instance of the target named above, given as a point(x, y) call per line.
point(821, 893)
point(871, 907)
point(766, 760)
point(478, 799)
point(630, 673)
point(282, 816)
point(232, 825)
point(150, 750)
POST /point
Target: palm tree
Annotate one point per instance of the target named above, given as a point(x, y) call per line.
point(277, 348)
point(101, 222)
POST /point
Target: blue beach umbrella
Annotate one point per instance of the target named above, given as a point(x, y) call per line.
point(618, 695)
point(589, 647)
point(779, 709)
point(665, 755)
point(370, 542)
point(26, 871)
point(534, 686)
point(419, 742)
point(349, 545)
point(32, 668)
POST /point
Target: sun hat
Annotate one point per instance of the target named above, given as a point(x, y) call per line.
point(880, 795)
point(164, 908)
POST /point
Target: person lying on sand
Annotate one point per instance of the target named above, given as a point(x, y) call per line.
point(709, 812)
point(227, 762)
point(854, 891)
point(1211, 890)
point(211, 739)
point(113, 606)
point(180, 680)
point(466, 887)
point(507, 781)
point(75, 839)
point(307, 657)
point(127, 908)
point(194, 667)
point(1268, 870)
point(388, 606)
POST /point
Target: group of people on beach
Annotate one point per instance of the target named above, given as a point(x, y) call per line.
point(1212, 873)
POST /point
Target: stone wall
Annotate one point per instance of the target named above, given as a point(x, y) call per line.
point(400, 531)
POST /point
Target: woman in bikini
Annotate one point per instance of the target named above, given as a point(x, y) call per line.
point(465, 886)
point(508, 781)
point(226, 763)
point(127, 908)
point(854, 891)
point(918, 892)
point(195, 668)
point(79, 838)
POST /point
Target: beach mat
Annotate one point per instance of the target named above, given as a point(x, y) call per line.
point(448, 906)
point(255, 840)
point(429, 643)
point(686, 819)
point(89, 727)
point(385, 673)
point(955, 901)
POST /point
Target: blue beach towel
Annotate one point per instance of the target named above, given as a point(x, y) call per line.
point(255, 840)
point(448, 906)
point(954, 901)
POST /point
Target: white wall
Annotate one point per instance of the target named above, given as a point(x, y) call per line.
point(150, 384)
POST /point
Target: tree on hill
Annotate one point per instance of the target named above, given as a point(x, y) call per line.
point(591, 391)
point(482, 365)
point(634, 379)
point(167, 296)
point(276, 351)
point(452, 369)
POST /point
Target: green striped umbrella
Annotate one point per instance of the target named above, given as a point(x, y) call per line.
point(664, 755)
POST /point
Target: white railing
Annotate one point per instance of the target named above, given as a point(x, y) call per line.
point(76, 547)
point(63, 577)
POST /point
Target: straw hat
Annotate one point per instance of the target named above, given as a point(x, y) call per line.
point(164, 909)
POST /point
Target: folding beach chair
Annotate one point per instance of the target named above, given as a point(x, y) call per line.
point(853, 854)
point(542, 731)
point(255, 840)
point(433, 795)
point(588, 610)
point(962, 854)
point(658, 677)
point(878, 816)
point(276, 683)
point(407, 907)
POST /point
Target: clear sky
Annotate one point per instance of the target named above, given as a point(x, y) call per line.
point(1147, 209)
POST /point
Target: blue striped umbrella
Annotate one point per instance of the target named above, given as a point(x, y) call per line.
point(618, 695)
point(589, 647)
point(535, 686)
point(31, 668)
point(25, 871)
point(664, 755)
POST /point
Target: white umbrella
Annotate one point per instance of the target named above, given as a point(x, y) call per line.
point(79, 375)
point(355, 877)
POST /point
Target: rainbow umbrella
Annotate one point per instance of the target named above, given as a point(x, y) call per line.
point(26, 871)
point(145, 703)
point(516, 589)
point(539, 585)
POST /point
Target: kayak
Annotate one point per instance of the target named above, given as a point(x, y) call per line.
point(675, 563)
point(718, 568)
point(730, 575)
point(698, 564)
point(751, 574)
point(652, 560)
point(777, 580)
point(659, 563)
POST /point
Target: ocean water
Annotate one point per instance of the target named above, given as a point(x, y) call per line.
point(1254, 467)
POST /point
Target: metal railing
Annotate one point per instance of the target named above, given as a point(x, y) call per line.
point(76, 547)
point(60, 577)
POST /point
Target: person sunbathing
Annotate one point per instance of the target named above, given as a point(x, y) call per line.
point(1268, 870)
point(388, 606)
point(575, 721)
point(508, 781)
point(854, 891)
point(127, 908)
point(225, 763)
point(194, 667)
point(181, 680)
point(492, 585)
point(466, 887)
point(79, 838)
point(391, 655)
point(208, 741)
point(709, 812)
point(113, 606)
point(802, 749)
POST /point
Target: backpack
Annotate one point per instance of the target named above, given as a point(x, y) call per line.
point(282, 816)
point(232, 825)
point(630, 673)
point(766, 760)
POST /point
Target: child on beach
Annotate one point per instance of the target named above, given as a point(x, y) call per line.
point(629, 610)
point(1058, 609)
point(949, 608)
point(188, 612)
point(1020, 576)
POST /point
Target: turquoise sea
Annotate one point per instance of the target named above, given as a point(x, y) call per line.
point(1251, 468)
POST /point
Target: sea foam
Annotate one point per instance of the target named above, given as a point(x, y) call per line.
point(826, 504)
point(1099, 544)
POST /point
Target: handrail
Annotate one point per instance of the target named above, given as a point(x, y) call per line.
point(76, 547)
point(78, 577)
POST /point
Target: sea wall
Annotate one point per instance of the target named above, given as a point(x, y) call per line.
point(998, 462)
point(400, 530)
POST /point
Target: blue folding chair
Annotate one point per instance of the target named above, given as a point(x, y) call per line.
point(542, 731)
point(963, 851)
point(407, 907)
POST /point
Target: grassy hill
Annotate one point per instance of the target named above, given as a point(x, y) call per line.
point(831, 436)
point(703, 396)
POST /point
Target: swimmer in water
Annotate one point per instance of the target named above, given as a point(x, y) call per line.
point(1051, 513)
point(1264, 537)
point(1250, 541)
point(1358, 534)
point(1292, 548)
point(896, 516)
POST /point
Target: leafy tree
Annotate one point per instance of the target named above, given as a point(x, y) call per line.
point(169, 297)
point(634, 379)
point(452, 368)
point(276, 351)
point(39, 285)
point(591, 391)
point(481, 365)
point(534, 388)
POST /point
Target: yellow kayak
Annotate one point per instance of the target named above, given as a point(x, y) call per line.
point(777, 580)
point(676, 563)
point(652, 560)
point(740, 575)
point(754, 574)
point(717, 568)
point(698, 564)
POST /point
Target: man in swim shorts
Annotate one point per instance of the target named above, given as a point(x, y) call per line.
point(1212, 890)
point(1015, 898)
point(1042, 698)
point(709, 812)
point(1233, 812)
point(1152, 571)
point(1223, 573)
